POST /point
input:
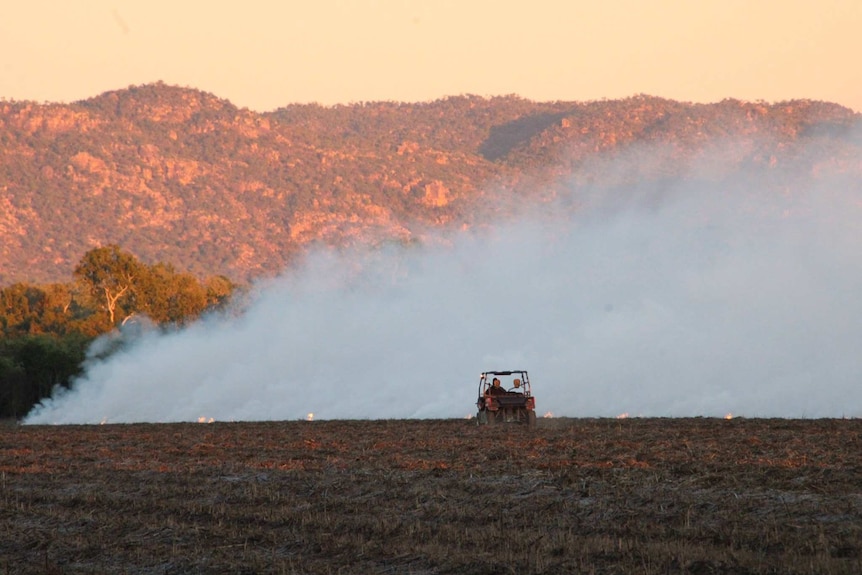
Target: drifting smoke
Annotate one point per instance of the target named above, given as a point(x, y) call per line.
point(689, 297)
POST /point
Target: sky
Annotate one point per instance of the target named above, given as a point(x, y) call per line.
point(264, 54)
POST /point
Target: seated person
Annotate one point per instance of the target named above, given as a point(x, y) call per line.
point(517, 387)
point(495, 388)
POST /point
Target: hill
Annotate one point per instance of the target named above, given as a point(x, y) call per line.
point(179, 175)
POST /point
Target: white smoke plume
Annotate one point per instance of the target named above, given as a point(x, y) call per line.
point(686, 297)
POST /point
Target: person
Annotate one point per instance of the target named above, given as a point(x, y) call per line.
point(496, 388)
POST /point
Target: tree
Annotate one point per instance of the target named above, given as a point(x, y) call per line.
point(109, 275)
point(219, 290)
point(31, 366)
point(57, 311)
point(169, 297)
point(21, 308)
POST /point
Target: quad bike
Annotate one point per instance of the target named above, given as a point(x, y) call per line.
point(509, 402)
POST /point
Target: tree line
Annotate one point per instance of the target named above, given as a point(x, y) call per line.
point(45, 330)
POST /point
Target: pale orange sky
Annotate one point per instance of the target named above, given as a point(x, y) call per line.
point(265, 54)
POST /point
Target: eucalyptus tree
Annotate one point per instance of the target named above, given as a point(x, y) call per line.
point(109, 275)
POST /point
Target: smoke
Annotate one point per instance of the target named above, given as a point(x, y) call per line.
point(694, 295)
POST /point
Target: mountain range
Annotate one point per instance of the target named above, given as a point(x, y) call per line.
point(178, 175)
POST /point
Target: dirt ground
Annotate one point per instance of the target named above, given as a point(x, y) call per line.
point(662, 496)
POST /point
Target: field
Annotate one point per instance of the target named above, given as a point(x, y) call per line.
point(664, 496)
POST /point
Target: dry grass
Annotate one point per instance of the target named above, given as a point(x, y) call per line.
point(699, 496)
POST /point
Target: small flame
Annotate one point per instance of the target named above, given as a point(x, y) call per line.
point(729, 416)
point(309, 417)
point(205, 420)
point(548, 415)
point(623, 416)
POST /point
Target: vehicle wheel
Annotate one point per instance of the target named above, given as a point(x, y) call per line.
point(531, 418)
point(492, 417)
point(482, 418)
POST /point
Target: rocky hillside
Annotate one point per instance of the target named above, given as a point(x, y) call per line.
point(178, 175)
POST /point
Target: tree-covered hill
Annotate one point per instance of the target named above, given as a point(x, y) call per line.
point(179, 175)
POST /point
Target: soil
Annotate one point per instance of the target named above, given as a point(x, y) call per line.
point(655, 496)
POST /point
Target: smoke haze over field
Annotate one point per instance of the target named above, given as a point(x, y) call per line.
point(675, 298)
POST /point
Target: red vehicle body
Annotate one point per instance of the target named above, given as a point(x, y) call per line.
point(511, 401)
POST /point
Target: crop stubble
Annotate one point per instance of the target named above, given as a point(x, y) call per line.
point(698, 496)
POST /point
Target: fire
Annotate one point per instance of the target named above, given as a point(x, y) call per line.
point(623, 416)
point(729, 416)
point(309, 417)
point(205, 420)
point(548, 415)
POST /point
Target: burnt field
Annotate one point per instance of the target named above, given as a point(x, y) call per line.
point(698, 496)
